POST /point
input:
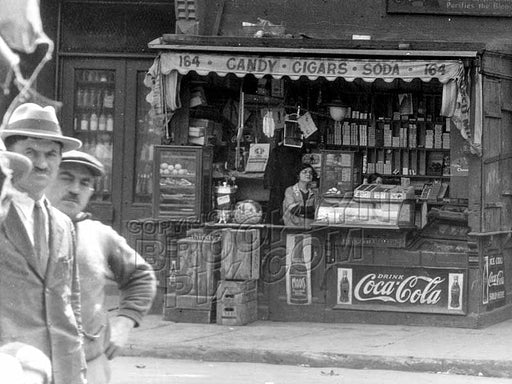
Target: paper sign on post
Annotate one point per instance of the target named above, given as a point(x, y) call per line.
point(307, 125)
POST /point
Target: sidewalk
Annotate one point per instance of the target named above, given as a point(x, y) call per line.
point(486, 352)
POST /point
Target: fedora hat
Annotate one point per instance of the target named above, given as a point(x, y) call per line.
point(32, 120)
point(82, 158)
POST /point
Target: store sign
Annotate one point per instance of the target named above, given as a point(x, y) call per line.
point(313, 68)
point(412, 289)
point(453, 7)
point(493, 281)
point(298, 269)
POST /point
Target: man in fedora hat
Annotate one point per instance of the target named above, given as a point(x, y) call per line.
point(39, 286)
point(102, 256)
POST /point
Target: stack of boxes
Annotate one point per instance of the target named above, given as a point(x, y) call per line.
point(193, 279)
point(237, 293)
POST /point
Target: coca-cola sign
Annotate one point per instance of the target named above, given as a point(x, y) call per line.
point(493, 281)
point(426, 289)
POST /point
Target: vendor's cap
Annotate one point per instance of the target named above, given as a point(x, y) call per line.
point(19, 164)
point(79, 157)
point(32, 120)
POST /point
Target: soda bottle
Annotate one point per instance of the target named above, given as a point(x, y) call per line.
point(102, 122)
point(344, 288)
point(93, 122)
point(298, 274)
point(84, 122)
point(110, 123)
point(455, 293)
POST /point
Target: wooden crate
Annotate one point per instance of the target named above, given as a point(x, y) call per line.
point(237, 314)
point(198, 272)
point(237, 302)
point(237, 292)
point(240, 254)
point(188, 315)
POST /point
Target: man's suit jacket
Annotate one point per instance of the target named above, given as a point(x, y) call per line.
point(39, 309)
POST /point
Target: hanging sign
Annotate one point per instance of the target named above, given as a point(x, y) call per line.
point(313, 68)
point(452, 7)
point(407, 289)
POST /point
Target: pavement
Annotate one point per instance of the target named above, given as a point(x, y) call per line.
point(478, 352)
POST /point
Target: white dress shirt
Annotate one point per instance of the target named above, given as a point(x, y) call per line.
point(25, 207)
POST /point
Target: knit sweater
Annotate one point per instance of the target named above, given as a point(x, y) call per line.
point(103, 256)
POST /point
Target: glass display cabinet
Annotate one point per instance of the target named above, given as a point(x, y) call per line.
point(93, 120)
point(371, 206)
point(183, 188)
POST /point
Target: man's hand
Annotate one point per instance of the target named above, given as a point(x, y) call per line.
point(119, 332)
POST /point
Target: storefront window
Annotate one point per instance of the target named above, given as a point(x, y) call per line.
point(93, 120)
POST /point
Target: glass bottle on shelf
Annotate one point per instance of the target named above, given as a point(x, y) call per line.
point(94, 98)
point(86, 98)
point(93, 122)
point(110, 122)
point(84, 122)
point(102, 122)
point(108, 99)
point(80, 97)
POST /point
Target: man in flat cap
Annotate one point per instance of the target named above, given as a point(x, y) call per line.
point(39, 285)
point(102, 256)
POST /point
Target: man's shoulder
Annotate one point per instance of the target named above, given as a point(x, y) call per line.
point(96, 226)
point(60, 217)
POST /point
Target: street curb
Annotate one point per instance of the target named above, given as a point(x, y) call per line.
point(486, 368)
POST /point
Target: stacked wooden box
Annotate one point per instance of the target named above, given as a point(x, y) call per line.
point(191, 294)
point(237, 302)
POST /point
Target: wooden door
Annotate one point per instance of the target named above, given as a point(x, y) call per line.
point(140, 135)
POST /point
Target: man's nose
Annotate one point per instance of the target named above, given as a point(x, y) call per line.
point(40, 161)
point(74, 187)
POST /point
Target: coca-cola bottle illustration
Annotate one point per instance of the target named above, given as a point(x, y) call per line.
point(455, 293)
point(344, 288)
point(298, 274)
point(485, 281)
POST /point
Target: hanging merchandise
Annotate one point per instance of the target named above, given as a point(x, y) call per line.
point(405, 103)
point(268, 123)
point(172, 90)
point(292, 132)
point(462, 115)
point(307, 125)
point(449, 101)
point(162, 111)
point(278, 117)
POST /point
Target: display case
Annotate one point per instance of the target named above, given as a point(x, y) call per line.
point(371, 205)
point(183, 189)
point(93, 120)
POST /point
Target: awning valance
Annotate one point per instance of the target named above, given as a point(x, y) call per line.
point(294, 67)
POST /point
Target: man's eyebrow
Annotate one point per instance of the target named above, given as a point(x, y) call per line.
point(65, 172)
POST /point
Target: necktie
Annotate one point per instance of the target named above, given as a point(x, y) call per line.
point(40, 240)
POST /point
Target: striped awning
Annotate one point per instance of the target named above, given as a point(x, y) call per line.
point(294, 67)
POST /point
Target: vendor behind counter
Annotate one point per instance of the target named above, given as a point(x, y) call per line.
point(279, 175)
point(301, 199)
